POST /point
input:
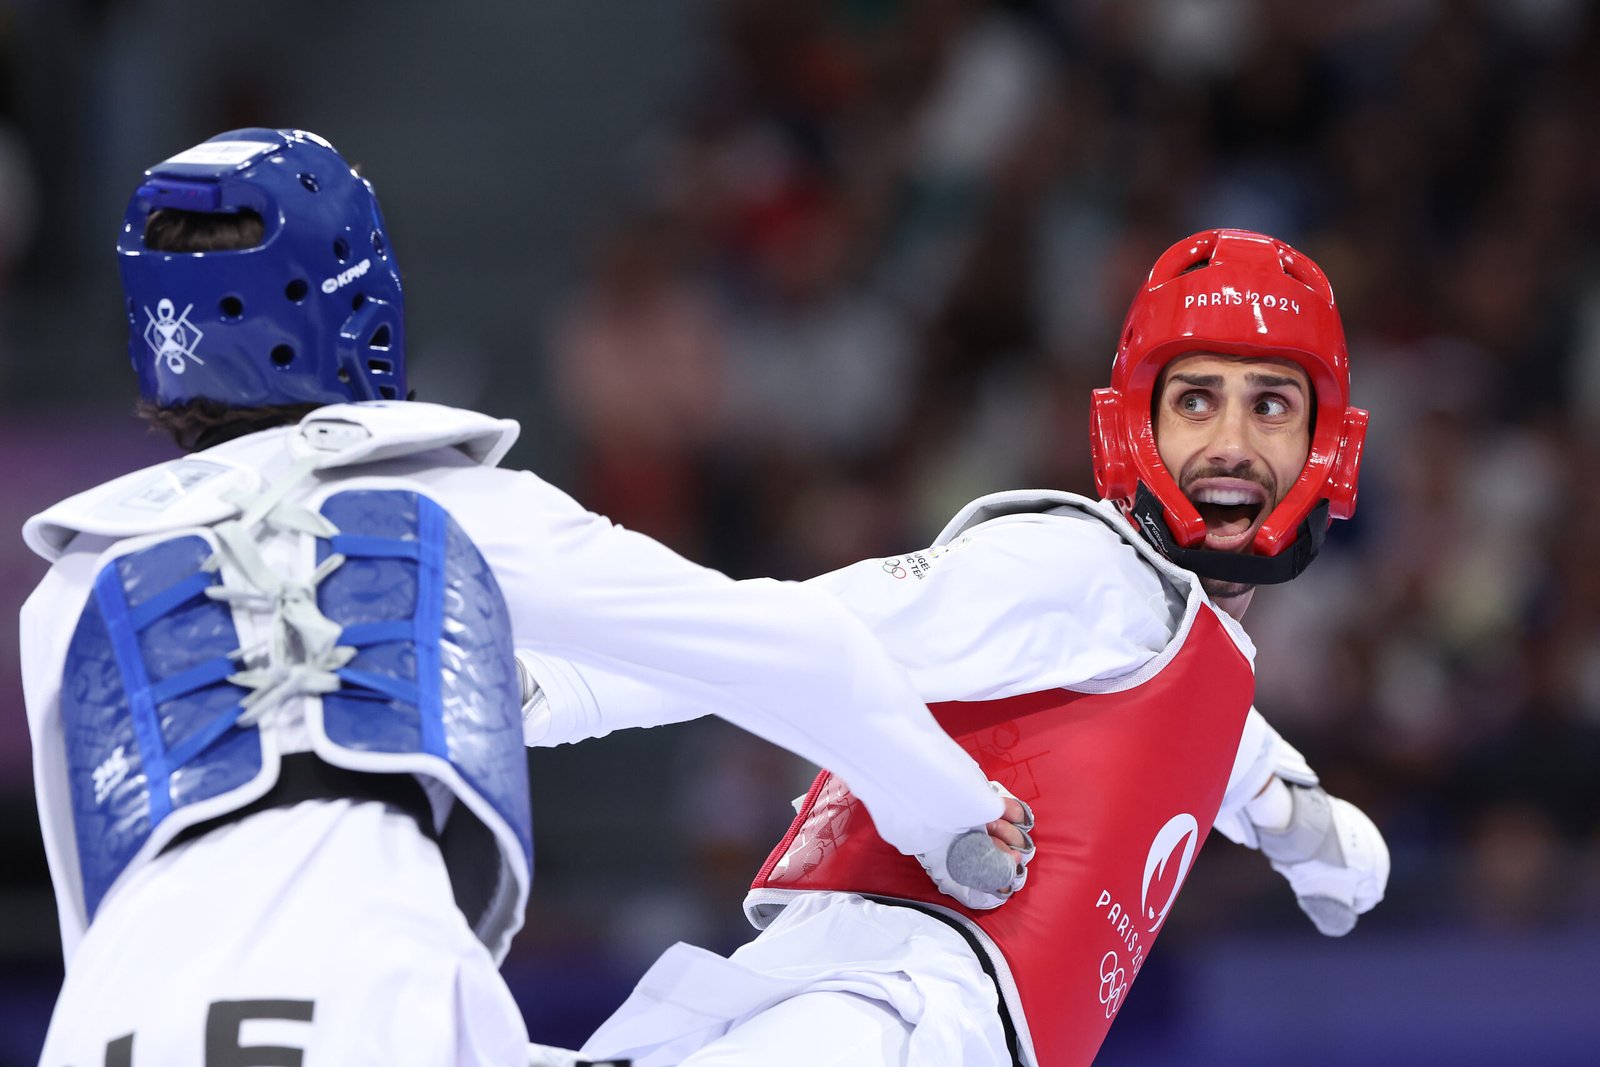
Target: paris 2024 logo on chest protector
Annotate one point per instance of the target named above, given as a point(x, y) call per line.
point(1166, 865)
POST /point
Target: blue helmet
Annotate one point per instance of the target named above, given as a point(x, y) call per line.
point(313, 313)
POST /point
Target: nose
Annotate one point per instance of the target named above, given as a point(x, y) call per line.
point(1230, 444)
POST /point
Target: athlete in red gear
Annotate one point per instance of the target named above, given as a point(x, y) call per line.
point(1089, 655)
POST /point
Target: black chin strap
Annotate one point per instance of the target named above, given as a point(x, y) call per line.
point(1241, 567)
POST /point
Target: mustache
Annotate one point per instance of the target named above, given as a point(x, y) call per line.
point(1243, 472)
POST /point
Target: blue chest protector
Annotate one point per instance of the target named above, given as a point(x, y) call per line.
point(153, 727)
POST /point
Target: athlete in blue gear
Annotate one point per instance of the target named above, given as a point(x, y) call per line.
point(277, 715)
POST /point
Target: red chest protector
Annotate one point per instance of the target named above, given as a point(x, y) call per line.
point(1124, 787)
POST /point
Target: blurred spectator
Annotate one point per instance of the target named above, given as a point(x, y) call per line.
point(639, 363)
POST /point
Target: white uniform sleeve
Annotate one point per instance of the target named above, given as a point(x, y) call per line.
point(1262, 754)
point(1030, 603)
point(583, 702)
point(1015, 605)
point(781, 660)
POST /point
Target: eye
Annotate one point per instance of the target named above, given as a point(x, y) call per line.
point(1193, 402)
point(1273, 406)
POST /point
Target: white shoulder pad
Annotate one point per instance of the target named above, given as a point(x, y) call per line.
point(342, 435)
point(169, 496)
point(1010, 502)
point(1040, 501)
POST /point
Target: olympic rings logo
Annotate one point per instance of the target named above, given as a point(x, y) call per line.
point(1113, 983)
point(892, 568)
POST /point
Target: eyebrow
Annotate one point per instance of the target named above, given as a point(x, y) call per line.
point(1255, 378)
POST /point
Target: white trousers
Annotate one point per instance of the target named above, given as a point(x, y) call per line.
point(836, 979)
point(326, 932)
point(841, 1030)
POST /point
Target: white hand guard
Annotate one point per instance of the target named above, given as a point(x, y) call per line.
point(975, 869)
point(1332, 855)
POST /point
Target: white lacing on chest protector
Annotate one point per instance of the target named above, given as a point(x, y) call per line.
point(302, 652)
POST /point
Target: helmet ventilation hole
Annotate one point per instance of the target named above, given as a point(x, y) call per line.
point(341, 249)
point(310, 182)
point(1307, 274)
point(1196, 265)
point(296, 290)
point(231, 307)
point(357, 300)
point(380, 338)
point(380, 366)
point(378, 244)
point(344, 376)
point(282, 356)
point(388, 392)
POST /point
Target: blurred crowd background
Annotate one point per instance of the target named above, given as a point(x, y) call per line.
point(784, 283)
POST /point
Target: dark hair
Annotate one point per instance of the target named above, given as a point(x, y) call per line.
point(171, 230)
point(202, 422)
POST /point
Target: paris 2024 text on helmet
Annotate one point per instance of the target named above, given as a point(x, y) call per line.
point(312, 313)
point(1236, 293)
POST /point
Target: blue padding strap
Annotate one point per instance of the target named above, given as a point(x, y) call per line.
point(112, 601)
point(431, 530)
point(199, 676)
point(171, 597)
point(362, 634)
point(364, 546)
point(394, 688)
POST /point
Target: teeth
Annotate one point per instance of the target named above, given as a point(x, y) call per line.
point(1225, 496)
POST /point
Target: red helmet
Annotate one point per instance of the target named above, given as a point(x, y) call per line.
point(1236, 293)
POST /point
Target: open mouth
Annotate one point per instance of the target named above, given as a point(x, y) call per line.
point(1231, 511)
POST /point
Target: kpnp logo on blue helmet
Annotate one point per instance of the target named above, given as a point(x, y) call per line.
point(312, 313)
